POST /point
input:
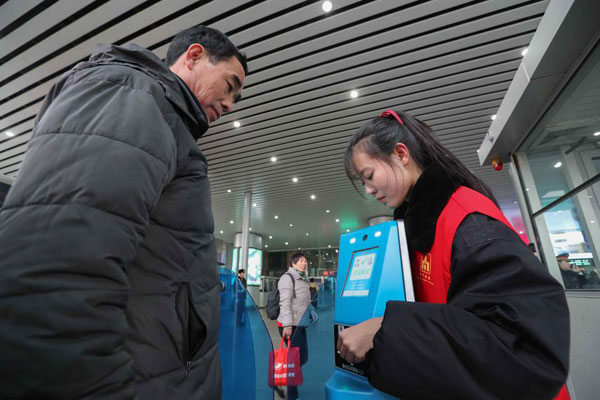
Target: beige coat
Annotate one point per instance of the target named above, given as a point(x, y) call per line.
point(291, 309)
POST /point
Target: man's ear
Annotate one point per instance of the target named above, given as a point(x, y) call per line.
point(402, 152)
point(193, 54)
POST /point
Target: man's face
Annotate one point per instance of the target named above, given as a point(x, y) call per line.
point(564, 264)
point(216, 86)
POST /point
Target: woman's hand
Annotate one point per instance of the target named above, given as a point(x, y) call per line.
point(353, 343)
point(287, 332)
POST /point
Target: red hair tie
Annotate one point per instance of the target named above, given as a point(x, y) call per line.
point(393, 114)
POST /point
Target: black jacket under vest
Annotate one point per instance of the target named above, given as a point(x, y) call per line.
point(504, 332)
point(108, 276)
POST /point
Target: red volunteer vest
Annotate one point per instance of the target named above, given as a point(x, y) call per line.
point(431, 271)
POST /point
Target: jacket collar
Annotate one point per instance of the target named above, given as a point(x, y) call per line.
point(144, 60)
point(427, 199)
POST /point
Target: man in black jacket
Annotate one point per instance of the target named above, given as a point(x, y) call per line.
point(109, 286)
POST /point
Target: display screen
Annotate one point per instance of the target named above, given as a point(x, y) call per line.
point(253, 275)
point(358, 280)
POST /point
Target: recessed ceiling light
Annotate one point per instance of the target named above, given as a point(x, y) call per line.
point(236, 124)
point(592, 221)
point(515, 202)
point(557, 165)
point(329, 245)
point(327, 6)
point(286, 243)
point(277, 217)
point(294, 179)
point(524, 51)
point(327, 211)
point(347, 230)
point(266, 245)
point(312, 197)
point(253, 204)
point(273, 159)
point(221, 232)
point(337, 220)
point(299, 248)
point(249, 229)
point(306, 233)
point(354, 94)
point(493, 117)
point(337, 251)
point(291, 224)
point(270, 237)
point(527, 189)
point(228, 190)
point(595, 134)
point(231, 222)
point(9, 134)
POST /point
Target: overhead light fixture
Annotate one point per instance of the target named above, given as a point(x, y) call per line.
point(378, 233)
point(595, 134)
point(329, 246)
point(221, 232)
point(291, 224)
point(294, 179)
point(337, 251)
point(557, 165)
point(266, 245)
point(592, 221)
point(347, 230)
point(527, 189)
point(273, 159)
point(9, 133)
point(354, 94)
point(228, 190)
point(306, 233)
point(286, 243)
point(312, 197)
point(353, 240)
point(327, 6)
point(277, 217)
point(337, 220)
point(231, 222)
point(299, 248)
point(270, 237)
point(253, 204)
point(236, 124)
point(493, 117)
point(249, 229)
point(327, 211)
point(524, 51)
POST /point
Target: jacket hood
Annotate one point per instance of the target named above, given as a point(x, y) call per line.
point(141, 59)
point(427, 200)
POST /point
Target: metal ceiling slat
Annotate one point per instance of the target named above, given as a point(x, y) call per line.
point(355, 52)
point(13, 10)
point(53, 15)
point(82, 26)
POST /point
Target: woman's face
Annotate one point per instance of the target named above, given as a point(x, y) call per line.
point(301, 264)
point(389, 182)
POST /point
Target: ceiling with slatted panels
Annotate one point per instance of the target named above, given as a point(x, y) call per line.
point(449, 62)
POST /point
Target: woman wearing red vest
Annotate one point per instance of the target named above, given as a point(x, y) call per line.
point(489, 321)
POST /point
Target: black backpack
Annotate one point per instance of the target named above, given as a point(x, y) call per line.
point(272, 307)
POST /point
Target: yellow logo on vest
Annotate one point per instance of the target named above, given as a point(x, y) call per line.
point(425, 269)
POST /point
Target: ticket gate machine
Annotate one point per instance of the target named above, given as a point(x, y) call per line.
point(373, 268)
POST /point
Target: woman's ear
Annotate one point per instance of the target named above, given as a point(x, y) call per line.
point(402, 152)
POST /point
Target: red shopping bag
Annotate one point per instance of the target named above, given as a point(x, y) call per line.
point(284, 366)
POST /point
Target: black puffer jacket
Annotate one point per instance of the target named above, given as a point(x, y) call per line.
point(108, 278)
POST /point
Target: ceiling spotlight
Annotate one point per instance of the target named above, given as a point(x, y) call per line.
point(592, 222)
point(266, 245)
point(595, 134)
point(347, 230)
point(249, 229)
point(337, 251)
point(327, 211)
point(291, 224)
point(277, 217)
point(9, 134)
point(493, 117)
point(228, 190)
point(306, 233)
point(557, 165)
point(527, 189)
point(286, 243)
point(273, 159)
point(327, 6)
point(515, 202)
point(253, 204)
point(329, 246)
point(236, 124)
point(299, 248)
point(221, 232)
point(270, 237)
point(524, 51)
point(231, 222)
point(337, 220)
point(294, 179)
point(312, 197)
point(354, 94)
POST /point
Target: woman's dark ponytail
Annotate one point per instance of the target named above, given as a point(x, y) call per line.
point(378, 138)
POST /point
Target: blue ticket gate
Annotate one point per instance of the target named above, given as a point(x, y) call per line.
point(244, 343)
point(373, 268)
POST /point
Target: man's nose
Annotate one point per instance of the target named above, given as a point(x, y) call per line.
point(227, 105)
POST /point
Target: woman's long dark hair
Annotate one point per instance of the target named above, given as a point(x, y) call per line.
point(379, 136)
